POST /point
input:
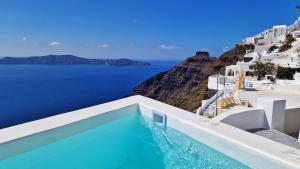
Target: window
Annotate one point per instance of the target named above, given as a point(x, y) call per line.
point(247, 59)
point(249, 73)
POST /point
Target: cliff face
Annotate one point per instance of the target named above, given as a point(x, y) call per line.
point(185, 85)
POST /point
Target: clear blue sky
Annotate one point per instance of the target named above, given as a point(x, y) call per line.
point(140, 29)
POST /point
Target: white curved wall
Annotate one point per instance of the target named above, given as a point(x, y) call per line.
point(244, 118)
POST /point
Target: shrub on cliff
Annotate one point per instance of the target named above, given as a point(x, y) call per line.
point(286, 72)
point(243, 48)
point(272, 48)
point(261, 69)
point(289, 39)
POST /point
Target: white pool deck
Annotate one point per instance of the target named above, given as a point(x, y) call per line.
point(281, 153)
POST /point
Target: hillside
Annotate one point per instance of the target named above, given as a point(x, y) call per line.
point(70, 60)
point(185, 85)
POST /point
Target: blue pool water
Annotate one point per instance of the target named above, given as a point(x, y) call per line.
point(128, 142)
point(30, 92)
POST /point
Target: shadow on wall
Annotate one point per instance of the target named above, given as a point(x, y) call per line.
point(246, 119)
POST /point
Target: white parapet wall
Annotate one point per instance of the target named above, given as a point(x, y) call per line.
point(269, 114)
point(274, 110)
point(244, 118)
point(276, 115)
point(292, 120)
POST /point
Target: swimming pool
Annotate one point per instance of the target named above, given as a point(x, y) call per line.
point(124, 140)
point(137, 132)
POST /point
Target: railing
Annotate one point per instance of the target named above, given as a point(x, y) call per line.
point(210, 101)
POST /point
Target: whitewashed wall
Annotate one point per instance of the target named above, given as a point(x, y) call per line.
point(212, 82)
point(292, 120)
point(244, 119)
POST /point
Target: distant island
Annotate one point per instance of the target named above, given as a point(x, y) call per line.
point(70, 60)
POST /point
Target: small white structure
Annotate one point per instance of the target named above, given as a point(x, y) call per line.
point(279, 30)
point(232, 72)
point(295, 26)
point(297, 76)
point(269, 114)
point(274, 110)
point(296, 34)
point(249, 40)
point(272, 35)
point(216, 82)
point(268, 34)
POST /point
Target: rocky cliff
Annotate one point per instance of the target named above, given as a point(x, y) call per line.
point(185, 85)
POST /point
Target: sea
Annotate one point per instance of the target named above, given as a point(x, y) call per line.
point(31, 92)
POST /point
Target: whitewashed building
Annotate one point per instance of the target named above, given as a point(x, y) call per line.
point(296, 34)
point(279, 30)
point(295, 26)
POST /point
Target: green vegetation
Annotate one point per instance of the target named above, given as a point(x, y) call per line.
point(243, 48)
point(286, 73)
point(261, 69)
point(289, 39)
point(272, 48)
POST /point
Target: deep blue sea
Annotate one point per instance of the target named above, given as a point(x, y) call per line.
point(31, 92)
